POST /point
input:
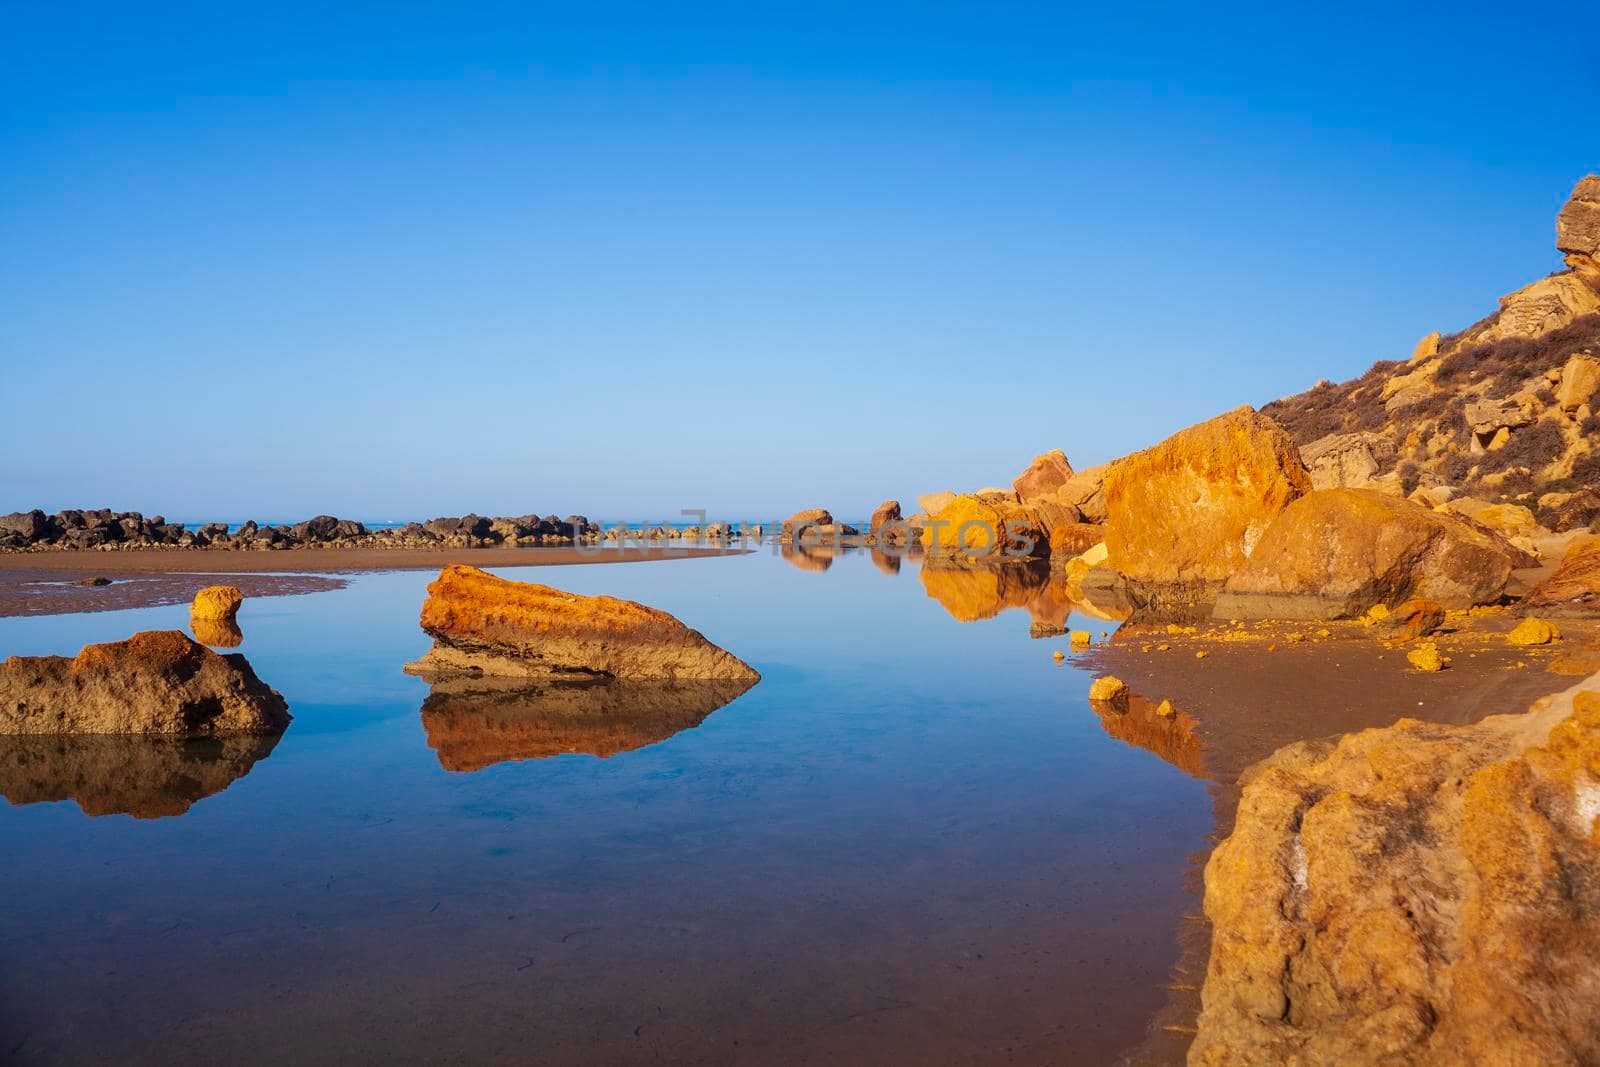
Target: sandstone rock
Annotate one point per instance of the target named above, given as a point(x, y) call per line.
point(888, 511)
point(1085, 491)
point(800, 520)
point(1081, 638)
point(145, 777)
point(1532, 632)
point(157, 682)
point(1425, 657)
point(1184, 516)
point(992, 528)
point(1048, 472)
point(1426, 348)
point(486, 625)
point(1419, 894)
point(934, 503)
point(1578, 230)
point(1108, 690)
point(216, 602)
point(1580, 382)
point(472, 723)
point(1412, 619)
point(1073, 539)
point(1485, 417)
point(1512, 520)
point(1343, 459)
point(1337, 552)
point(1574, 588)
point(1543, 307)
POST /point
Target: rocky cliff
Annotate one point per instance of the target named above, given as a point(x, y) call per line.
point(1504, 410)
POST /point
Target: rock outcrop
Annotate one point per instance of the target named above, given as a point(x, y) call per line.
point(485, 625)
point(472, 723)
point(216, 603)
point(145, 777)
point(886, 512)
point(1574, 588)
point(1505, 409)
point(990, 526)
point(157, 682)
point(1048, 472)
point(810, 518)
point(1335, 553)
point(1419, 894)
point(1185, 515)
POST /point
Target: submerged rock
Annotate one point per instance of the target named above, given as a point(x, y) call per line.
point(484, 625)
point(1185, 515)
point(145, 777)
point(157, 682)
point(1337, 552)
point(472, 723)
point(1421, 893)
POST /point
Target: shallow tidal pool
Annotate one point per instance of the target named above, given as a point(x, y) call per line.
point(911, 842)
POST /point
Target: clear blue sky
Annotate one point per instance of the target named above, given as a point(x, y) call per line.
point(395, 260)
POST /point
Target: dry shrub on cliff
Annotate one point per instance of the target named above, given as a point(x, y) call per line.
point(1508, 362)
point(1533, 447)
point(1328, 408)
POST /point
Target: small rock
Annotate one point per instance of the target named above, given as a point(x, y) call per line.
point(1533, 632)
point(1081, 638)
point(1108, 690)
point(216, 602)
point(1425, 657)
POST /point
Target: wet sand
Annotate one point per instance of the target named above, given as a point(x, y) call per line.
point(47, 583)
point(1240, 703)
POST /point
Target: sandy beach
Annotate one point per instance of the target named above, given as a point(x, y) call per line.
point(49, 583)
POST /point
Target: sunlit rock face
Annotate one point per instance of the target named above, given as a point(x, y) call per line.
point(485, 625)
point(145, 777)
point(1574, 589)
point(1420, 893)
point(473, 723)
point(1184, 515)
point(157, 682)
point(1335, 553)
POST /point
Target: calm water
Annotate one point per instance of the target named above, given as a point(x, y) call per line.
point(911, 842)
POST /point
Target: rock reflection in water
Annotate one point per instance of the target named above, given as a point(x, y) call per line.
point(1142, 725)
point(887, 562)
point(810, 557)
point(146, 777)
point(971, 594)
point(472, 723)
point(217, 633)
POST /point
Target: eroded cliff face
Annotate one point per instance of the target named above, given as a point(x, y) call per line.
point(1420, 893)
point(1505, 410)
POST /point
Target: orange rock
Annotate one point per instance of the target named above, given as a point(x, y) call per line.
point(1048, 472)
point(156, 682)
point(1423, 894)
point(482, 624)
point(216, 602)
point(985, 527)
point(1574, 589)
point(1185, 515)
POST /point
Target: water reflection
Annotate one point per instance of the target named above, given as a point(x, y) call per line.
point(1157, 727)
point(816, 558)
point(887, 562)
point(218, 633)
point(473, 723)
point(146, 777)
point(971, 594)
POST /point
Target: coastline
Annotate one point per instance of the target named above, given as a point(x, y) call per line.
point(45, 583)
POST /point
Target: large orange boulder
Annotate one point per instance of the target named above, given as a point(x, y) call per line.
point(485, 625)
point(1336, 552)
point(1183, 517)
point(1418, 894)
point(986, 526)
point(157, 682)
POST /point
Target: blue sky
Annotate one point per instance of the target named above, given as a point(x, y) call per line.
point(396, 260)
